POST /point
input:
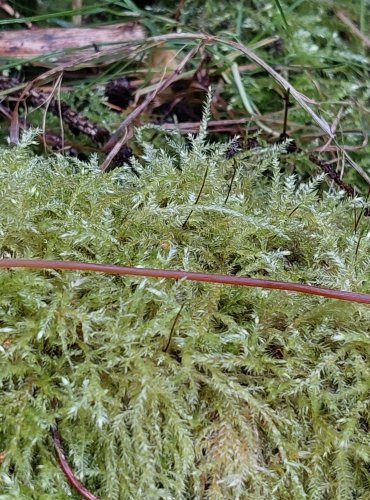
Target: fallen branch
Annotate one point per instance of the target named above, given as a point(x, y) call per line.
point(67, 45)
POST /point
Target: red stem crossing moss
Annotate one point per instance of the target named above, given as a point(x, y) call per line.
point(68, 472)
point(169, 274)
point(363, 298)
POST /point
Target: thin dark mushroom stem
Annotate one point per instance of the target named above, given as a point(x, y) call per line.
point(363, 298)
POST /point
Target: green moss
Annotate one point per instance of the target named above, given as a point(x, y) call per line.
point(261, 394)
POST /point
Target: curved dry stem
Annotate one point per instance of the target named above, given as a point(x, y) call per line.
point(68, 472)
point(363, 298)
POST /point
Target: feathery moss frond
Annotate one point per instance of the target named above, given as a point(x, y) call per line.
point(259, 394)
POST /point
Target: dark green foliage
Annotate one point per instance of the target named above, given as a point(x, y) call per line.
point(261, 394)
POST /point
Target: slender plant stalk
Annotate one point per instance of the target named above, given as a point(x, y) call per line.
point(117, 141)
point(363, 298)
point(68, 472)
point(353, 28)
point(231, 182)
point(173, 328)
point(198, 197)
point(286, 107)
point(77, 19)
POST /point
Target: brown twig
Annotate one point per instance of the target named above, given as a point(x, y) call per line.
point(66, 468)
point(74, 120)
point(56, 142)
point(330, 172)
point(363, 298)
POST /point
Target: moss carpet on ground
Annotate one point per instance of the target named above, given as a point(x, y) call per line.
point(173, 389)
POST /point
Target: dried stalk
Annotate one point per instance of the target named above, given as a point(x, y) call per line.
point(353, 28)
point(363, 298)
point(68, 472)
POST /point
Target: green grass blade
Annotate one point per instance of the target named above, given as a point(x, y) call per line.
point(281, 10)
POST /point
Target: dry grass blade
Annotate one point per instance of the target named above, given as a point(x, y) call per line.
point(116, 141)
point(288, 87)
point(353, 28)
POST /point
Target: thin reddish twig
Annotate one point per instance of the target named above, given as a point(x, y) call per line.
point(68, 472)
point(363, 298)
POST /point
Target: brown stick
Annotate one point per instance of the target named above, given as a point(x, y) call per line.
point(74, 120)
point(38, 42)
point(363, 298)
